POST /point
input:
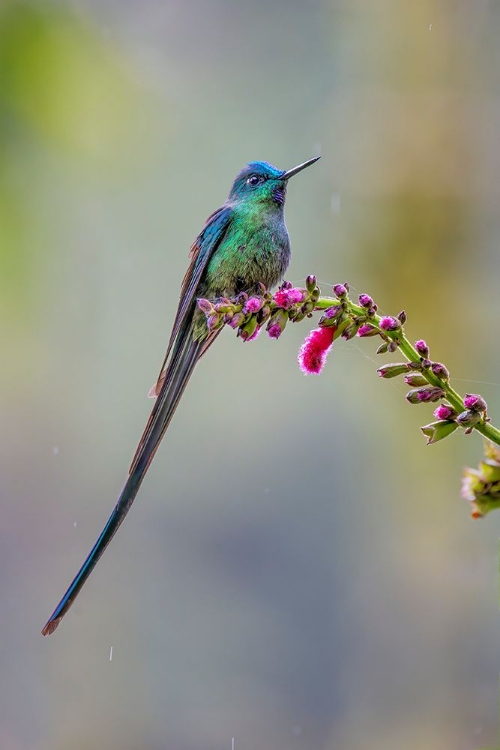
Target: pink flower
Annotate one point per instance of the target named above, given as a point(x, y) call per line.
point(315, 349)
point(286, 297)
point(252, 305)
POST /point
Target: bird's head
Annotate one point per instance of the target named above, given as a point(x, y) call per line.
point(261, 182)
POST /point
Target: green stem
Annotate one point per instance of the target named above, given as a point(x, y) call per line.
point(408, 350)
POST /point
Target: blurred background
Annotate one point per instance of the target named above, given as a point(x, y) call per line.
point(299, 570)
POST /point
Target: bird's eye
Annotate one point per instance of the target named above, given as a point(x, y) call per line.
point(254, 179)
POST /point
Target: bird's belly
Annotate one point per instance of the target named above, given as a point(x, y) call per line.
point(241, 263)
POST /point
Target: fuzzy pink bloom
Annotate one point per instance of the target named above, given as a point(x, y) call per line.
point(286, 297)
point(315, 349)
point(252, 305)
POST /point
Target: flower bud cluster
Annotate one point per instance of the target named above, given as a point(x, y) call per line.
point(449, 419)
point(248, 314)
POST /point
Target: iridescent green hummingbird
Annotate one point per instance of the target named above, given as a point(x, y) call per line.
point(243, 244)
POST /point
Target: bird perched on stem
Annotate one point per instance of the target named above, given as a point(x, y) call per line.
point(243, 244)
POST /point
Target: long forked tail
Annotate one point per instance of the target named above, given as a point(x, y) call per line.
point(184, 358)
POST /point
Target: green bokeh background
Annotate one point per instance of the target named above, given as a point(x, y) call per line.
point(299, 571)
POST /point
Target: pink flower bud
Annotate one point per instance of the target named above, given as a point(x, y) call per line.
point(424, 395)
point(415, 380)
point(475, 402)
point(274, 331)
point(388, 323)
point(214, 322)
point(205, 306)
point(332, 312)
point(340, 290)
point(392, 371)
point(277, 323)
point(444, 411)
point(440, 371)
point(367, 330)
point(365, 300)
point(422, 348)
point(236, 320)
point(255, 334)
point(311, 283)
point(468, 418)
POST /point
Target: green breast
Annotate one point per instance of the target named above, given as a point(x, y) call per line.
point(255, 248)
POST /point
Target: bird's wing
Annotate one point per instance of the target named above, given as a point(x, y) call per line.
point(200, 253)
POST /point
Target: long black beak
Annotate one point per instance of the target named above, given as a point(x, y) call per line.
point(295, 170)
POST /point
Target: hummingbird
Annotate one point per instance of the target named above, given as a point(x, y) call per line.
point(243, 244)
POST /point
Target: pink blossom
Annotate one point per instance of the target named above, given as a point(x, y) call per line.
point(315, 349)
point(286, 297)
point(252, 305)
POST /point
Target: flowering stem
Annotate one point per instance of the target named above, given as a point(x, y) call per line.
point(429, 380)
point(408, 350)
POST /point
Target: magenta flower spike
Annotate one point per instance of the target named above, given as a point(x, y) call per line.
point(315, 349)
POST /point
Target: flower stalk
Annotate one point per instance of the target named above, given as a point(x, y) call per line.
point(342, 317)
point(413, 356)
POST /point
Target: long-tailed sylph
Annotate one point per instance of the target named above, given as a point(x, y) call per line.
point(243, 244)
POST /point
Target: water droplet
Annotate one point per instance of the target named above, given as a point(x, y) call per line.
point(74, 524)
point(111, 653)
